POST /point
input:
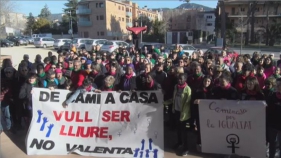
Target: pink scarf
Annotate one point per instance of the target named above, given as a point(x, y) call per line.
point(227, 86)
point(182, 86)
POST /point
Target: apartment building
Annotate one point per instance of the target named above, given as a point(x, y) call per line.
point(237, 12)
point(108, 19)
point(182, 19)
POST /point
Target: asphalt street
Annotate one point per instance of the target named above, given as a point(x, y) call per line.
point(13, 146)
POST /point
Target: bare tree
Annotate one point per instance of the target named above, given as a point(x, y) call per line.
point(6, 7)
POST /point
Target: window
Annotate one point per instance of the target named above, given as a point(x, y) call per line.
point(257, 9)
point(123, 8)
point(97, 5)
point(98, 33)
point(209, 17)
point(119, 18)
point(209, 24)
point(101, 5)
point(119, 7)
point(101, 17)
point(122, 19)
point(97, 17)
point(102, 33)
point(127, 20)
point(242, 9)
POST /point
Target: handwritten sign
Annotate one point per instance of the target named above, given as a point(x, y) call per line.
point(107, 124)
point(233, 127)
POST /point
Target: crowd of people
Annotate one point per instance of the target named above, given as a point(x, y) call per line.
point(183, 79)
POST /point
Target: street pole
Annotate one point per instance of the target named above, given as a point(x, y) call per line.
point(241, 42)
point(141, 31)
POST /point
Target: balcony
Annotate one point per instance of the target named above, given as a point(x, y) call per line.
point(129, 14)
point(84, 23)
point(129, 24)
point(83, 11)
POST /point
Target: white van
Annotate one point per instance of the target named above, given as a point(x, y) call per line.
point(60, 42)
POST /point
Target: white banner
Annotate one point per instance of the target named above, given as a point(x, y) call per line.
point(107, 124)
point(233, 127)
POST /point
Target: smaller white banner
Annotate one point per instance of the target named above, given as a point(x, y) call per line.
point(233, 127)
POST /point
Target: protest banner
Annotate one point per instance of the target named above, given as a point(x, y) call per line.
point(107, 124)
point(233, 127)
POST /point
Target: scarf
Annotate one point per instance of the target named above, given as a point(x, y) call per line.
point(227, 86)
point(121, 63)
point(76, 70)
point(198, 75)
point(205, 90)
point(251, 92)
point(150, 85)
point(34, 84)
point(89, 88)
point(42, 74)
point(71, 68)
point(129, 76)
point(276, 76)
point(259, 75)
point(278, 95)
point(110, 88)
point(182, 86)
point(112, 73)
point(95, 73)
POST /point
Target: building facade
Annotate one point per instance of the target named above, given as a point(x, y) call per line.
point(108, 19)
point(12, 24)
point(237, 13)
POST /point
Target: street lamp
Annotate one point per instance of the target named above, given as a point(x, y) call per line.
point(70, 31)
point(241, 38)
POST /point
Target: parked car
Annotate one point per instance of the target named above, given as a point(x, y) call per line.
point(23, 41)
point(217, 50)
point(44, 42)
point(80, 42)
point(66, 46)
point(6, 43)
point(30, 40)
point(59, 42)
point(111, 46)
point(17, 40)
point(93, 42)
point(187, 48)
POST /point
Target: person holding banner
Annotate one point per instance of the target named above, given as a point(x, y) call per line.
point(87, 86)
point(181, 108)
point(108, 85)
point(204, 92)
point(25, 95)
point(252, 91)
point(273, 114)
point(225, 90)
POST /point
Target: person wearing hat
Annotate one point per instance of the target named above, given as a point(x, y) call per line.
point(87, 86)
point(61, 79)
point(88, 67)
point(128, 80)
point(83, 62)
point(109, 84)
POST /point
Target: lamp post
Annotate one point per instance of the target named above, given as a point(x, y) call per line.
point(141, 26)
point(241, 25)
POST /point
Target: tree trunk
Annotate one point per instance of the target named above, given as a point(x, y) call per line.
point(223, 23)
point(253, 27)
point(267, 24)
point(271, 42)
point(248, 26)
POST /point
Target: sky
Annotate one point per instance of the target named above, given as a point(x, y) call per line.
point(35, 7)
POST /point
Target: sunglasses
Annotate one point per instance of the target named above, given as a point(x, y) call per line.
point(24, 70)
point(8, 72)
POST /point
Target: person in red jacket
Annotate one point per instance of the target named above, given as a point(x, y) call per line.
point(77, 76)
point(241, 79)
point(54, 61)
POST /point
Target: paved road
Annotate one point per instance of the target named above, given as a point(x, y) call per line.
point(13, 146)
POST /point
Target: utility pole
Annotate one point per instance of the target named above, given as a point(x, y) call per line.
point(71, 29)
point(241, 42)
point(223, 20)
point(141, 31)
